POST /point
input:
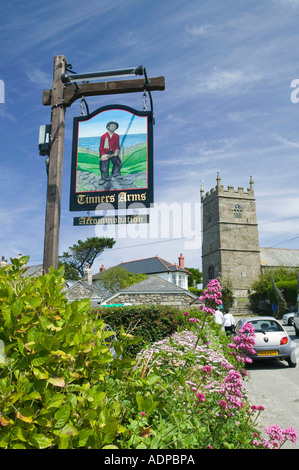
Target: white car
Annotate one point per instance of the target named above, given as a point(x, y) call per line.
point(288, 318)
point(296, 323)
point(271, 340)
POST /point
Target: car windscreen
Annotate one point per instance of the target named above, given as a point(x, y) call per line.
point(264, 326)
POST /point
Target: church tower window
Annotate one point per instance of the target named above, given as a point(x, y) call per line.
point(237, 211)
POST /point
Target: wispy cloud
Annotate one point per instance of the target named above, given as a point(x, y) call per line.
point(220, 81)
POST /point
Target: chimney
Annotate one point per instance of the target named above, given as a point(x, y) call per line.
point(102, 268)
point(88, 275)
point(181, 261)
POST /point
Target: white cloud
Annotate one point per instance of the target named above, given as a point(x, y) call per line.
point(221, 81)
point(39, 77)
point(200, 30)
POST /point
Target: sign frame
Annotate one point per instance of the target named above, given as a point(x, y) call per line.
point(113, 197)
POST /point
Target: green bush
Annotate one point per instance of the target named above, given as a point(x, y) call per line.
point(152, 322)
point(53, 362)
point(288, 289)
point(61, 387)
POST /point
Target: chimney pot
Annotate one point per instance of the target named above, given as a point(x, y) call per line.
point(181, 261)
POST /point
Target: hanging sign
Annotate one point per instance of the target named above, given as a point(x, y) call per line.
point(112, 159)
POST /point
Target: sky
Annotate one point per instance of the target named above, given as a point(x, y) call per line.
point(230, 105)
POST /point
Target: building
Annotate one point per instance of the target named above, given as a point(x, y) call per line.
point(230, 244)
point(274, 257)
point(84, 288)
point(156, 266)
point(156, 291)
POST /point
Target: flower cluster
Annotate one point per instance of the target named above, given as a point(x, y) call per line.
point(211, 297)
point(277, 437)
point(243, 343)
point(232, 393)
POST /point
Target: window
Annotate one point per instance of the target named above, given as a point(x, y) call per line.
point(181, 280)
point(211, 272)
point(237, 211)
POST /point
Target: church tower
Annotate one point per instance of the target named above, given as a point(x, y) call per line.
point(230, 245)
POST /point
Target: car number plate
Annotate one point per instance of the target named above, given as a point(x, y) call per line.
point(267, 353)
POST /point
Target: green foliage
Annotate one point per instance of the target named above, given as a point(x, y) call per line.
point(114, 279)
point(53, 366)
point(195, 277)
point(62, 389)
point(152, 322)
point(289, 290)
point(85, 252)
point(227, 292)
point(284, 279)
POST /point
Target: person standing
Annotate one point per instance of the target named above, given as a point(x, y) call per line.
point(109, 151)
point(228, 323)
point(218, 316)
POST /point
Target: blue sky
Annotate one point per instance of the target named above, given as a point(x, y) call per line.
point(227, 108)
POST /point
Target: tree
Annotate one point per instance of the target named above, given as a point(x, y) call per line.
point(117, 278)
point(85, 252)
point(227, 292)
point(194, 278)
point(264, 291)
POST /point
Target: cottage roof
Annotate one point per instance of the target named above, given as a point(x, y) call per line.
point(151, 266)
point(275, 257)
point(90, 289)
point(153, 285)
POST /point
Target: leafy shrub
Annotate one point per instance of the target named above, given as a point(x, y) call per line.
point(288, 289)
point(54, 361)
point(152, 322)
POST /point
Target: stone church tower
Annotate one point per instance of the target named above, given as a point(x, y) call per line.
point(230, 245)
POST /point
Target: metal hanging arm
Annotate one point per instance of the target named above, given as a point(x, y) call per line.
point(147, 82)
point(82, 104)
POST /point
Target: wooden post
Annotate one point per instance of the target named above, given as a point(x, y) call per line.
point(60, 97)
point(52, 224)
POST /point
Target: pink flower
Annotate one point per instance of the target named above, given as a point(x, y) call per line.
point(207, 369)
point(200, 397)
point(275, 433)
point(223, 404)
point(290, 434)
point(142, 413)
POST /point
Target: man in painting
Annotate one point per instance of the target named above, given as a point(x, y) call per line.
point(109, 151)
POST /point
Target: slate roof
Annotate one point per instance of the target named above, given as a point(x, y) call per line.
point(36, 270)
point(275, 257)
point(151, 266)
point(153, 285)
point(94, 291)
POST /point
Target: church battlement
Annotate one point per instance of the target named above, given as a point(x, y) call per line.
point(229, 192)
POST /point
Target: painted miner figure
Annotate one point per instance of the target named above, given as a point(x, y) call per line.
point(109, 152)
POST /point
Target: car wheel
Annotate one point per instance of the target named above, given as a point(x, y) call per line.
point(296, 330)
point(291, 322)
point(291, 362)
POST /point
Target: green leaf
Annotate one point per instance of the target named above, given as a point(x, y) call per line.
point(40, 358)
point(55, 401)
point(40, 441)
point(85, 437)
point(40, 374)
point(62, 416)
point(67, 431)
point(57, 381)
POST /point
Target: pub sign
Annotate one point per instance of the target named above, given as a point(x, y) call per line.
point(112, 159)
